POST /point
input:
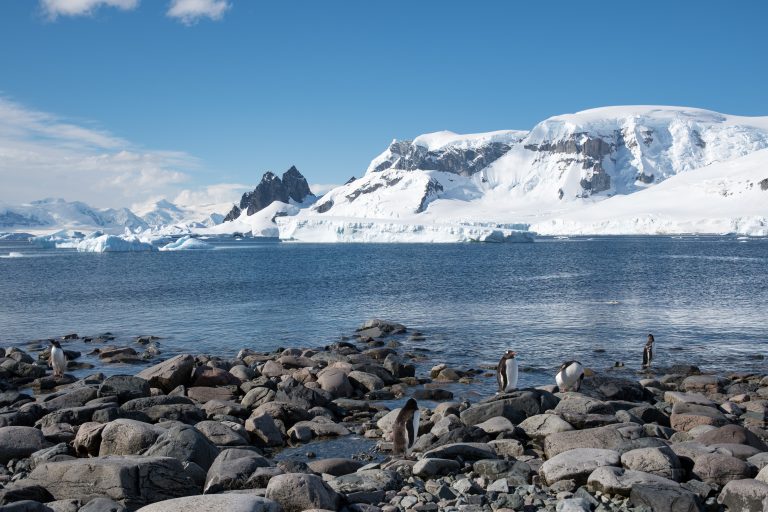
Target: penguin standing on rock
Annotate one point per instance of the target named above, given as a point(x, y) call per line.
point(58, 359)
point(406, 428)
point(506, 373)
point(570, 376)
point(648, 352)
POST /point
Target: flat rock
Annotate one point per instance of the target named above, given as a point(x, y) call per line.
point(117, 477)
point(718, 469)
point(608, 437)
point(674, 397)
point(335, 466)
point(663, 498)
point(541, 425)
point(124, 387)
point(661, 462)
point(215, 503)
point(613, 480)
point(497, 425)
point(577, 464)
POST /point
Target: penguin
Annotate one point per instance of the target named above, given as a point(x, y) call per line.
point(506, 373)
point(406, 428)
point(570, 376)
point(648, 352)
point(58, 359)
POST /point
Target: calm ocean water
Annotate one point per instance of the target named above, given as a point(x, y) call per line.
point(704, 299)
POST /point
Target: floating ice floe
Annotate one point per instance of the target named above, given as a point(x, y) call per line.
point(187, 243)
point(113, 243)
point(12, 255)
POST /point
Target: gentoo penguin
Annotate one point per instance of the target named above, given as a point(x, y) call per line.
point(648, 352)
point(570, 376)
point(406, 428)
point(506, 373)
point(58, 360)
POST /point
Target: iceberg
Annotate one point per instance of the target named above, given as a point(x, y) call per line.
point(113, 243)
point(187, 243)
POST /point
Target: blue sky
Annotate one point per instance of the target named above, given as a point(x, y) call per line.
point(250, 86)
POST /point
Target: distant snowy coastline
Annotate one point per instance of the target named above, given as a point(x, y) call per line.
point(637, 170)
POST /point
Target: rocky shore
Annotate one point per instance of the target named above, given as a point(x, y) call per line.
point(204, 433)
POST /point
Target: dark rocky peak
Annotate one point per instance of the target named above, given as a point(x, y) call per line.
point(233, 214)
point(457, 160)
point(272, 188)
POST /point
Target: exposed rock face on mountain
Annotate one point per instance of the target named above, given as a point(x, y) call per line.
point(233, 213)
point(271, 188)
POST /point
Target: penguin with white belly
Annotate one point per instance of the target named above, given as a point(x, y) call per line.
point(58, 359)
point(570, 376)
point(506, 372)
point(406, 428)
point(648, 351)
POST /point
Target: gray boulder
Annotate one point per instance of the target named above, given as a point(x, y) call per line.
point(608, 437)
point(366, 486)
point(744, 496)
point(428, 468)
point(656, 461)
point(577, 464)
point(220, 434)
point(102, 505)
point(296, 492)
point(184, 443)
point(128, 437)
point(117, 477)
point(232, 469)
point(663, 498)
point(264, 430)
point(176, 371)
point(718, 469)
point(515, 406)
point(215, 503)
point(335, 466)
point(336, 382)
point(467, 451)
point(541, 425)
point(613, 480)
point(19, 442)
point(124, 387)
point(257, 396)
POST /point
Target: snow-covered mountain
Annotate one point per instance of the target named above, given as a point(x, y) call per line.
point(55, 214)
point(548, 178)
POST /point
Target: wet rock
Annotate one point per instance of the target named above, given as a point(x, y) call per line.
point(231, 470)
point(215, 502)
point(376, 328)
point(335, 466)
point(656, 461)
point(432, 467)
point(296, 492)
point(744, 496)
point(467, 451)
point(320, 427)
point(577, 464)
point(169, 374)
point(19, 442)
point(116, 477)
point(184, 443)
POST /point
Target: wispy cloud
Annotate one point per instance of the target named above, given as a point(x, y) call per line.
point(190, 12)
point(55, 8)
point(43, 155)
point(320, 189)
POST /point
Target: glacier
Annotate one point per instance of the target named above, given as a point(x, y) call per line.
point(186, 243)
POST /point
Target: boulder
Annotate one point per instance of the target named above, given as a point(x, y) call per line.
point(287, 413)
point(176, 371)
point(201, 394)
point(467, 451)
point(497, 425)
point(215, 503)
point(744, 496)
point(68, 399)
point(335, 466)
point(515, 472)
point(263, 430)
point(206, 376)
point(365, 381)
point(429, 468)
point(663, 498)
point(231, 470)
point(184, 443)
point(732, 434)
point(609, 437)
point(257, 396)
point(613, 480)
point(336, 382)
point(163, 407)
point(19, 442)
point(656, 461)
point(128, 437)
point(704, 384)
point(296, 492)
point(366, 486)
point(220, 434)
point(88, 439)
point(117, 477)
point(124, 387)
point(102, 505)
point(688, 416)
point(718, 469)
point(541, 425)
point(577, 464)
point(515, 406)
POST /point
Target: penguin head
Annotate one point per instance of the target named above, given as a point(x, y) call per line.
point(650, 339)
point(410, 405)
point(510, 354)
point(55, 343)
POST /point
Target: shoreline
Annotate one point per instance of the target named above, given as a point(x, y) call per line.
point(218, 425)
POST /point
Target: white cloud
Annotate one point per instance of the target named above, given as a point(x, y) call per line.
point(321, 188)
point(190, 12)
point(56, 8)
point(43, 155)
point(219, 195)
